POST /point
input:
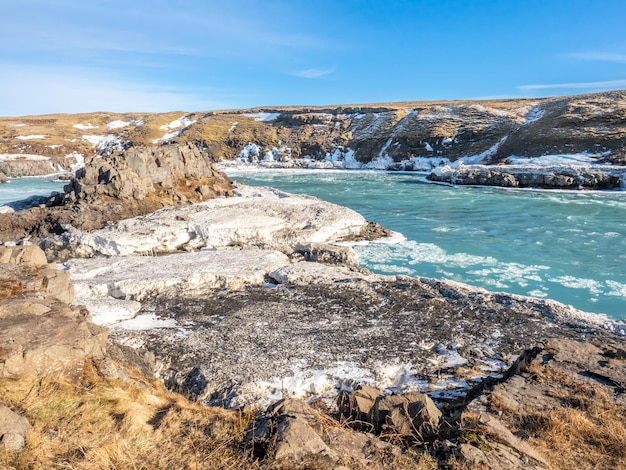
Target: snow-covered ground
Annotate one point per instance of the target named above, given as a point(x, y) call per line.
point(175, 127)
point(119, 124)
point(262, 117)
point(85, 127)
point(31, 137)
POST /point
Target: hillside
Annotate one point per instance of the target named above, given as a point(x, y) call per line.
point(394, 135)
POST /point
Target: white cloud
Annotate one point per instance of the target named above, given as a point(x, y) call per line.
point(33, 90)
point(606, 85)
point(312, 73)
point(598, 56)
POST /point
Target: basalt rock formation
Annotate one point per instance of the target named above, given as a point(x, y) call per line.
point(122, 185)
point(524, 177)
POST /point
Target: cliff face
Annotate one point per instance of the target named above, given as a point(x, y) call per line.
point(170, 174)
point(396, 135)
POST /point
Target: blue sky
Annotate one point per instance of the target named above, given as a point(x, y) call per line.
point(163, 55)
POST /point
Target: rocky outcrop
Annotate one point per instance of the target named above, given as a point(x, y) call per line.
point(31, 165)
point(304, 435)
point(383, 331)
point(40, 333)
point(122, 185)
point(259, 217)
point(3, 177)
point(170, 174)
point(560, 382)
point(536, 177)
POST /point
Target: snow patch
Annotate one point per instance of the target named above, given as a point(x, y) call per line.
point(182, 121)
point(104, 144)
point(380, 163)
point(31, 137)
point(22, 156)
point(549, 160)
point(80, 161)
point(250, 153)
point(85, 127)
point(119, 124)
point(146, 321)
point(262, 117)
point(534, 114)
point(490, 152)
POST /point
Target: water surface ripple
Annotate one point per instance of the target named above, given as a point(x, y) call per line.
point(567, 246)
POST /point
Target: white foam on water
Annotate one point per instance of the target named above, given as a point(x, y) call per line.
point(617, 289)
point(594, 287)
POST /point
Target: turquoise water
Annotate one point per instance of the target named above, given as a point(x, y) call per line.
point(21, 188)
point(566, 246)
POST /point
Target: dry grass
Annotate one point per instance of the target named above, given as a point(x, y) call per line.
point(10, 287)
point(110, 424)
point(103, 424)
point(587, 432)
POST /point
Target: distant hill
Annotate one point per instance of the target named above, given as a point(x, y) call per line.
point(496, 129)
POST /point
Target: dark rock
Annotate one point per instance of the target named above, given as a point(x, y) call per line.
point(125, 184)
point(304, 435)
point(512, 177)
point(330, 254)
point(3, 178)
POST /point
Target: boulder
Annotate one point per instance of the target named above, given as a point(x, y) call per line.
point(13, 428)
point(3, 178)
point(304, 435)
point(30, 255)
point(358, 407)
point(413, 414)
point(40, 333)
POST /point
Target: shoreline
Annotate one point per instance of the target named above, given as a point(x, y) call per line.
point(247, 301)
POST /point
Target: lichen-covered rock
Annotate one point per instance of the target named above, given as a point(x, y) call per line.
point(13, 428)
point(40, 333)
point(30, 255)
point(175, 173)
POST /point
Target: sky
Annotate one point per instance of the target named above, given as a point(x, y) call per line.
point(75, 56)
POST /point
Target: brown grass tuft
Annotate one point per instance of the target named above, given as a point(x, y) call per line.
point(103, 424)
point(10, 287)
point(587, 432)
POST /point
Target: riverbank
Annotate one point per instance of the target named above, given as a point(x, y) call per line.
point(484, 381)
point(251, 297)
